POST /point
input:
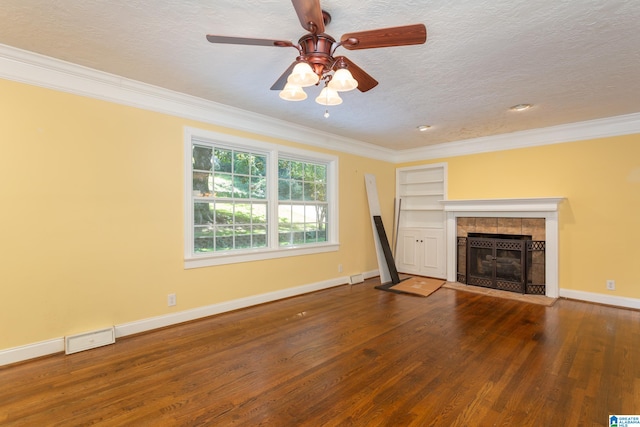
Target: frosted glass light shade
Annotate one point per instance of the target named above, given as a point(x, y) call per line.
point(343, 81)
point(302, 75)
point(292, 93)
point(329, 96)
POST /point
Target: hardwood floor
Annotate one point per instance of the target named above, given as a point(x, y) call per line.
point(351, 355)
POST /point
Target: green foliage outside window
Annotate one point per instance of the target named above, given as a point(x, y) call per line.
point(230, 207)
point(302, 207)
point(230, 200)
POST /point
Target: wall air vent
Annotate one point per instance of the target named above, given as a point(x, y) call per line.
point(356, 278)
point(89, 340)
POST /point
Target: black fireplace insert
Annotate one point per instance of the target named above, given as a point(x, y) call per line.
point(509, 262)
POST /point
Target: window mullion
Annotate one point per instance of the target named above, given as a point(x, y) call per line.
point(272, 200)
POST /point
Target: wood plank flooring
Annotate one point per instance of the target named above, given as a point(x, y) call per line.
point(349, 356)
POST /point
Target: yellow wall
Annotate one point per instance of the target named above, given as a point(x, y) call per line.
point(91, 219)
point(91, 215)
point(599, 221)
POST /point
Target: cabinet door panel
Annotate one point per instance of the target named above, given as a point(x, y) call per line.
point(433, 257)
point(407, 259)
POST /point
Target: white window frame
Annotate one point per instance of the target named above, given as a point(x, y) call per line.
point(273, 152)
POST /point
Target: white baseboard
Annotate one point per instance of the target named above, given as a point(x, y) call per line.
point(56, 345)
point(144, 325)
point(601, 298)
point(370, 274)
point(31, 351)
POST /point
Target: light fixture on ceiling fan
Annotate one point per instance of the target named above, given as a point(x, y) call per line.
point(316, 63)
point(303, 75)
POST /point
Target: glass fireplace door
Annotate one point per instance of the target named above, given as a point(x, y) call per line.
point(497, 263)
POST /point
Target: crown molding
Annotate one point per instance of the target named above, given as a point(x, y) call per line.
point(579, 131)
point(43, 71)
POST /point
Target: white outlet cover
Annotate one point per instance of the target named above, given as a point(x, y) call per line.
point(171, 300)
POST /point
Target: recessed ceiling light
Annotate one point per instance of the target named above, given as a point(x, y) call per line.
point(423, 128)
point(520, 107)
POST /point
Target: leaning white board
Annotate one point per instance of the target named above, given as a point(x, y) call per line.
point(374, 209)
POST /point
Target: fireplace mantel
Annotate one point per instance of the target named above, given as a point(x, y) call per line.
point(538, 207)
point(538, 204)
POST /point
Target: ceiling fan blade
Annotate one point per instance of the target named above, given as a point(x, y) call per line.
point(365, 81)
point(310, 15)
point(385, 37)
point(248, 41)
point(282, 80)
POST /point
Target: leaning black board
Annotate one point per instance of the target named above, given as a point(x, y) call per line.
point(386, 249)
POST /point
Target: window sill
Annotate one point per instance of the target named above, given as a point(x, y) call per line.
point(257, 255)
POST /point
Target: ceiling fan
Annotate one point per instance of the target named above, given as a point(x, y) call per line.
point(316, 61)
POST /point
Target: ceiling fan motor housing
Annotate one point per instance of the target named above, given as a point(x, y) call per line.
point(316, 50)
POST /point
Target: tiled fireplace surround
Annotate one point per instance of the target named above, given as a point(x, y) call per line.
point(537, 217)
point(533, 227)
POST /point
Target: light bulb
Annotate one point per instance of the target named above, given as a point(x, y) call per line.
point(292, 93)
point(343, 81)
point(303, 75)
point(328, 96)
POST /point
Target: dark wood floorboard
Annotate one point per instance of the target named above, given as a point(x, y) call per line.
point(349, 356)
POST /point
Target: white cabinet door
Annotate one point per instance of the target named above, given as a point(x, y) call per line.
point(421, 251)
point(433, 262)
point(408, 257)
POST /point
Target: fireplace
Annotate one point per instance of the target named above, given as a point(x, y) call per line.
point(529, 211)
point(509, 262)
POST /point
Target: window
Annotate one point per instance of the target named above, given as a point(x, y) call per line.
point(247, 200)
point(229, 199)
point(302, 202)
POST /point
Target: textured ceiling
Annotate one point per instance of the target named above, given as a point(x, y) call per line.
point(574, 60)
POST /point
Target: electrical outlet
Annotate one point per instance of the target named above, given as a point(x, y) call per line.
point(171, 300)
point(339, 268)
point(611, 285)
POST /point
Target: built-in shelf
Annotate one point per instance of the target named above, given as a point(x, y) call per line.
point(421, 220)
point(424, 193)
point(412, 180)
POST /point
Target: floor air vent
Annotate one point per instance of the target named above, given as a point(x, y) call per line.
point(88, 340)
